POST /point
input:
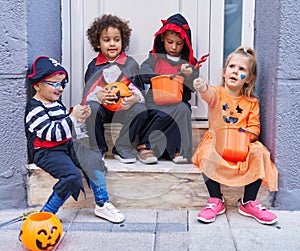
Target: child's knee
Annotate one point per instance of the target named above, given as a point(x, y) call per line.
point(76, 177)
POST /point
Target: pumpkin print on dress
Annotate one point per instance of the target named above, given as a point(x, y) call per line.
point(229, 116)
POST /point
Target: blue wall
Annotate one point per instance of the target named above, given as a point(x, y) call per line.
point(13, 54)
point(29, 28)
point(44, 29)
point(277, 43)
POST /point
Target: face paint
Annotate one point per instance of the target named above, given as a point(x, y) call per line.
point(243, 76)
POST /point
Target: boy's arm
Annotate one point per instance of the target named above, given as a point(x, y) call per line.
point(194, 73)
point(80, 113)
point(93, 95)
point(147, 69)
point(136, 90)
point(132, 71)
point(39, 123)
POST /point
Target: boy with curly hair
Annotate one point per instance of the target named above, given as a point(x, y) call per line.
point(109, 36)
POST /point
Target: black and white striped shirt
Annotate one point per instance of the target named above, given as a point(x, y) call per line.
point(50, 122)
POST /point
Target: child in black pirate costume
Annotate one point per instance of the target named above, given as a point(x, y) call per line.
point(109, 35)
point(48, 127)
point(172, 53)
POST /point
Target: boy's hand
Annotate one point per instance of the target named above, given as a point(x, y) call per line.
point(200, 84)
point(78, 113)
point(105, 97)
point(186, 69)
point(87, 111)
point(127, 102)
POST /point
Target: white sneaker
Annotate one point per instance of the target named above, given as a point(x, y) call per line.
point(109, 212)
point(180, 160)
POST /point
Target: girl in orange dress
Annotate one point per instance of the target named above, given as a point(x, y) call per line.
point(233, 104)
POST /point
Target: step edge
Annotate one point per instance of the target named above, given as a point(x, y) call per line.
point(162, 167)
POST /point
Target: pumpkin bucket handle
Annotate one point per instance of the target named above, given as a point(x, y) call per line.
point(23, 217)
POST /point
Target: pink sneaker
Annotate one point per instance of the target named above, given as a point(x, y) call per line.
point(214, 207)
point(255, 210)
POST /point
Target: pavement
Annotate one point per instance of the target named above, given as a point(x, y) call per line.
point(167, 230)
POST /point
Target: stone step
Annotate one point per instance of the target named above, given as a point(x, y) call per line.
point(112, 131)
point(164, 185)
point(160, 186)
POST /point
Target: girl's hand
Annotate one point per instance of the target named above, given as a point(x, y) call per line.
point(186, 69)
point(105, 97)
point(200, 84)
point(127, 102)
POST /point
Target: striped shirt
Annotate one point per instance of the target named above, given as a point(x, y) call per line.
point(49, 123)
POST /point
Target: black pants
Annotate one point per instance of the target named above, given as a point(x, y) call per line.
point(169, 130)
point(250, 191)
point(64, 162)
point(133, 121)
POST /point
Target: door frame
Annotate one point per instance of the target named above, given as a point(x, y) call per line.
point(208, 37)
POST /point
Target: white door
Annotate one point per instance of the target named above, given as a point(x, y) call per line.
point(209, 21)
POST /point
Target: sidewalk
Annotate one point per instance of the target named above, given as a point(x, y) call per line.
point(167, 230)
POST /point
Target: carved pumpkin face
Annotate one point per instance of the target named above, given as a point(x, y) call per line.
point(121, 91)
point(41, 231)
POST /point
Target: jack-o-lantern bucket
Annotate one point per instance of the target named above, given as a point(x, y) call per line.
point(167, 90)
point(121, 91)
point(232, 144)
point(41, 231)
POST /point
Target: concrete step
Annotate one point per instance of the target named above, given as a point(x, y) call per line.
point(160, 186)
point(112, 131)
point(164, 185)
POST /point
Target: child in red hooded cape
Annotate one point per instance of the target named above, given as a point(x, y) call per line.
point(168, 131)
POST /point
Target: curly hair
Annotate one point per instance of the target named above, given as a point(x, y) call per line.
point(248, 88)
point(99, 24)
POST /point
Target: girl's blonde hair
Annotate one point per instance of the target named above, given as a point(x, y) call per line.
point(248, 88)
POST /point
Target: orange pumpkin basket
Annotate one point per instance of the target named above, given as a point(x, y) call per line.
point(232, 144)
point(41, 231)
point(167, 90)
point(121, 90)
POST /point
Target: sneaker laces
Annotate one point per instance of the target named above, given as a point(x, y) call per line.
point(210, 205)
point(260, 207)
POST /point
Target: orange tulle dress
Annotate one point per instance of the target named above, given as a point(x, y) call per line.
point(225, 110)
